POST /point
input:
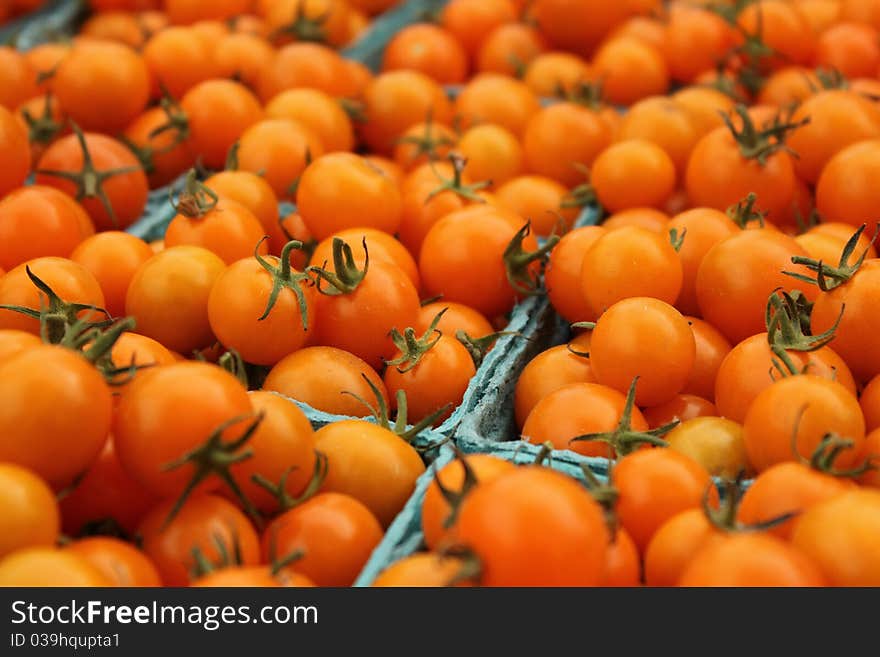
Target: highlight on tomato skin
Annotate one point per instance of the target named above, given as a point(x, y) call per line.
point(601, 271)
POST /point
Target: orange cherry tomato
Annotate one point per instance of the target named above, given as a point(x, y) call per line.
point(317, 111)
point(178, 60)
point(630, 70)
point(202, 523)
point(422, 569)
point(30, 512)
point(633, 173)
point(795, 413)
point(118, 561)
point(341, 373)
point(498, 99)
point(428, 49)
point(505, 535)
point(539, 199)
point(48, 566)
point(576, 409)
point(16, 152)
point(335, 532)
point(371, 464)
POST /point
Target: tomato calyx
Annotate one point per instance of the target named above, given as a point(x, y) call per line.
point(479, 347)
point(58, 319)
point(471, 565)
point(582, 195)
point(517, 261)
point(177, 121)
point(203, 566)
point(346, 275)
point(303, 27)
point(828, 450)
point(588, 326)
point(413, 348)
point(216, 457)
point(586, 93)
point(744, 212)
point(96, 347)
point(786, 319)
point(232, 362)
point(724, 517)
point(827, 277)
point(196, 199)
point(285, 500)
point(284, 276)
point(426, 143)
point(606, 494)
point(355, 109)
point(455, 498)
point(379, 411)
point(88, 180)
point(758, 145)
point(624, 439)
point(676, 239)
point(44, 128)
point(455, 184)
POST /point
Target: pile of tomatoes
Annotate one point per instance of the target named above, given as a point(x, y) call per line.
point(723, 310)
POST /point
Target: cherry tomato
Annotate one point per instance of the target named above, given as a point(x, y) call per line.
point(204, 522)
point(58, 413)
point(750, 560)
point(341, 373)
point(336, 533)
point(49, 566)
point(168, 297)
point(654, 485)
point(428, 49)
point(633, 173)
point(16, 152)
point(545, 373)
point(342, 191)
point(317, 111)
point(371, 464)
point(504, 535)
point(576, 409)
point(171, 410)
point(796, 413)
point(118, 561)
point(30, 515)
point(422, 569)
point(497, 99)
point(645, 338)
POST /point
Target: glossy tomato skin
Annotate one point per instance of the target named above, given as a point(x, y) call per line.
point(844, 192)
point(563, 275)
point(808, 406)
point(319, 112)
point(788, 488)
point(421, 569)
point(630, 262)
point(371, 464)
point(50, 567)
point(168, 154)
point(560, 135)
point(253, 192)
point(57, 413)
point(577, 409)
point(112, 257)
point(546, 373)
point(510, 538)
point(682, 407)
point(336, 532)
point(435, 508)
point(98, 75)
point(40, 221)
point(283, 442)
point(839, 535)
point(218, 111)
point(342, 191)
point(203, 521)
point(499, 99)
point(320, 377)
point(654, 485)
point(645, 338)
point(718, 176)
point(538, 198)
point(239, 299)
point(105, 493)
point(13, 342)
point(674, 545)
point(751, 560)
point(360, 321)
point(711, 349)
point(168, 297)
point(738, 275)
point(30, 512)
point(441, 377)
point(860, 320)
point(462, 258)
point(70, 281)
point(170, 410)
point(120, 562)
point(716, 443)
point(230, 230)
point(748, 369)
point(705, 228)
point(126, 192)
